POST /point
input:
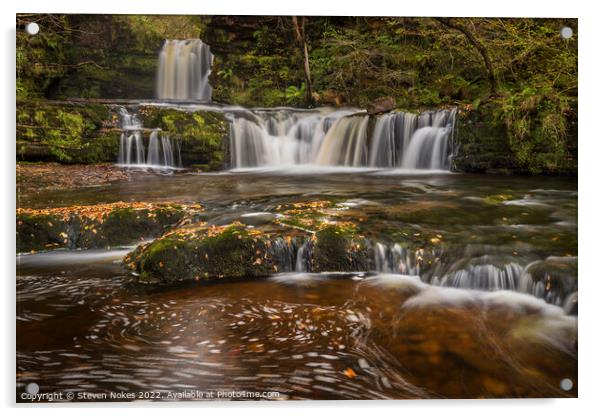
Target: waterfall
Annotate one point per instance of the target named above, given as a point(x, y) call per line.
point(324, 137)
point(391, 137)
point(183, 70)
point(153, 148)
point(281, 137)
point(132, 152)
point(131, 146)
point(345, 143)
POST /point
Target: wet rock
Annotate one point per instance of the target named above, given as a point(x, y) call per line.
point(94, 226)
point(40, 232)
point(67, 132)
point(207, 252)
point(381, 105)
point(202, 135)
point(552, 278)
point(340, 249)
point(203, 252)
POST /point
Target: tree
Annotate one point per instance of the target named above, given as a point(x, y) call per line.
point(302, 41)
point(447, 21)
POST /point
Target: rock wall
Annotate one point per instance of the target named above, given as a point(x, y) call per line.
point(88, 131)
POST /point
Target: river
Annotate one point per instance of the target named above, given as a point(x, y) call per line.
point(487, 310)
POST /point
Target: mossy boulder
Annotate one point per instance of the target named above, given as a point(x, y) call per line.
point(202, 135)
point(102, 225)
point(67, 132)
point(202, 252)
point(522, 134)
point(236, 250)
point(340, 249)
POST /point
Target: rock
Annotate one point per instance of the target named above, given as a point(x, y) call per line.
point(381, 105)
point(72, 132)
point(102, 225)
point(203, 136)
point(205, 252)
point(554, 277)
point(340, 249)
point(329, 97)
point(81, 131)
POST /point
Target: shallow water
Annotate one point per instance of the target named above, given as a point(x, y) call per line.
point(82, 325)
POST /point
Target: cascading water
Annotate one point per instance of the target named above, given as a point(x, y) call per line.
point(133, 153)
point(283, 137)
point(183, 72)
point(131, 146)
point(487, 273)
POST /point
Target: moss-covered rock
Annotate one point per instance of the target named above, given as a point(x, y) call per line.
point(521, 134)
point(205, 252)
point(340, 249)
point(202, 135)
point(102, 225)
point(68, 132)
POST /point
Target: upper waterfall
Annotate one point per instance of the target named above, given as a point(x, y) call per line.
point(343, 137)
point(183, 71)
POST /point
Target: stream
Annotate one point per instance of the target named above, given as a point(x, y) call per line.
point(489, 309)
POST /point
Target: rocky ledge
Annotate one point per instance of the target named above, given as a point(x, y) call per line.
point(95, 226)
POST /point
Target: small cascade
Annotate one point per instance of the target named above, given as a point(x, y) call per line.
point(131, 146)
point(324, 137)
point(154, 157)
point(542, 279)
point(132, 150)
point(303, 260)
point(183, 70)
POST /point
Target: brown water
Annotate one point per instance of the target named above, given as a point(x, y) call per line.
point(83, 326)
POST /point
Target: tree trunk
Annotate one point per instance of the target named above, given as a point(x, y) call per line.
point(447, 21)
point(300, 36)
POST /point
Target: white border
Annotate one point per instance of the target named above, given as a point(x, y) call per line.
point(590, 143)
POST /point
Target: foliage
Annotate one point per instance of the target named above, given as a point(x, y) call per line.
point(71, 133)
point(420, 62)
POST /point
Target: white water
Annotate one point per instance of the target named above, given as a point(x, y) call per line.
point(183, 71)
point(284, 138)
point(132, 149)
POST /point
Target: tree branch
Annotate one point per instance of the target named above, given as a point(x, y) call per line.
point(447, 21)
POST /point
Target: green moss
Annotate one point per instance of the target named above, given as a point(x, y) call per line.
point(202, 135)
point(231, 253)
point(168, 258)
point(340, 249)
point(65, 132)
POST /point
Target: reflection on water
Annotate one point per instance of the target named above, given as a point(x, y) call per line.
point(82, 325)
